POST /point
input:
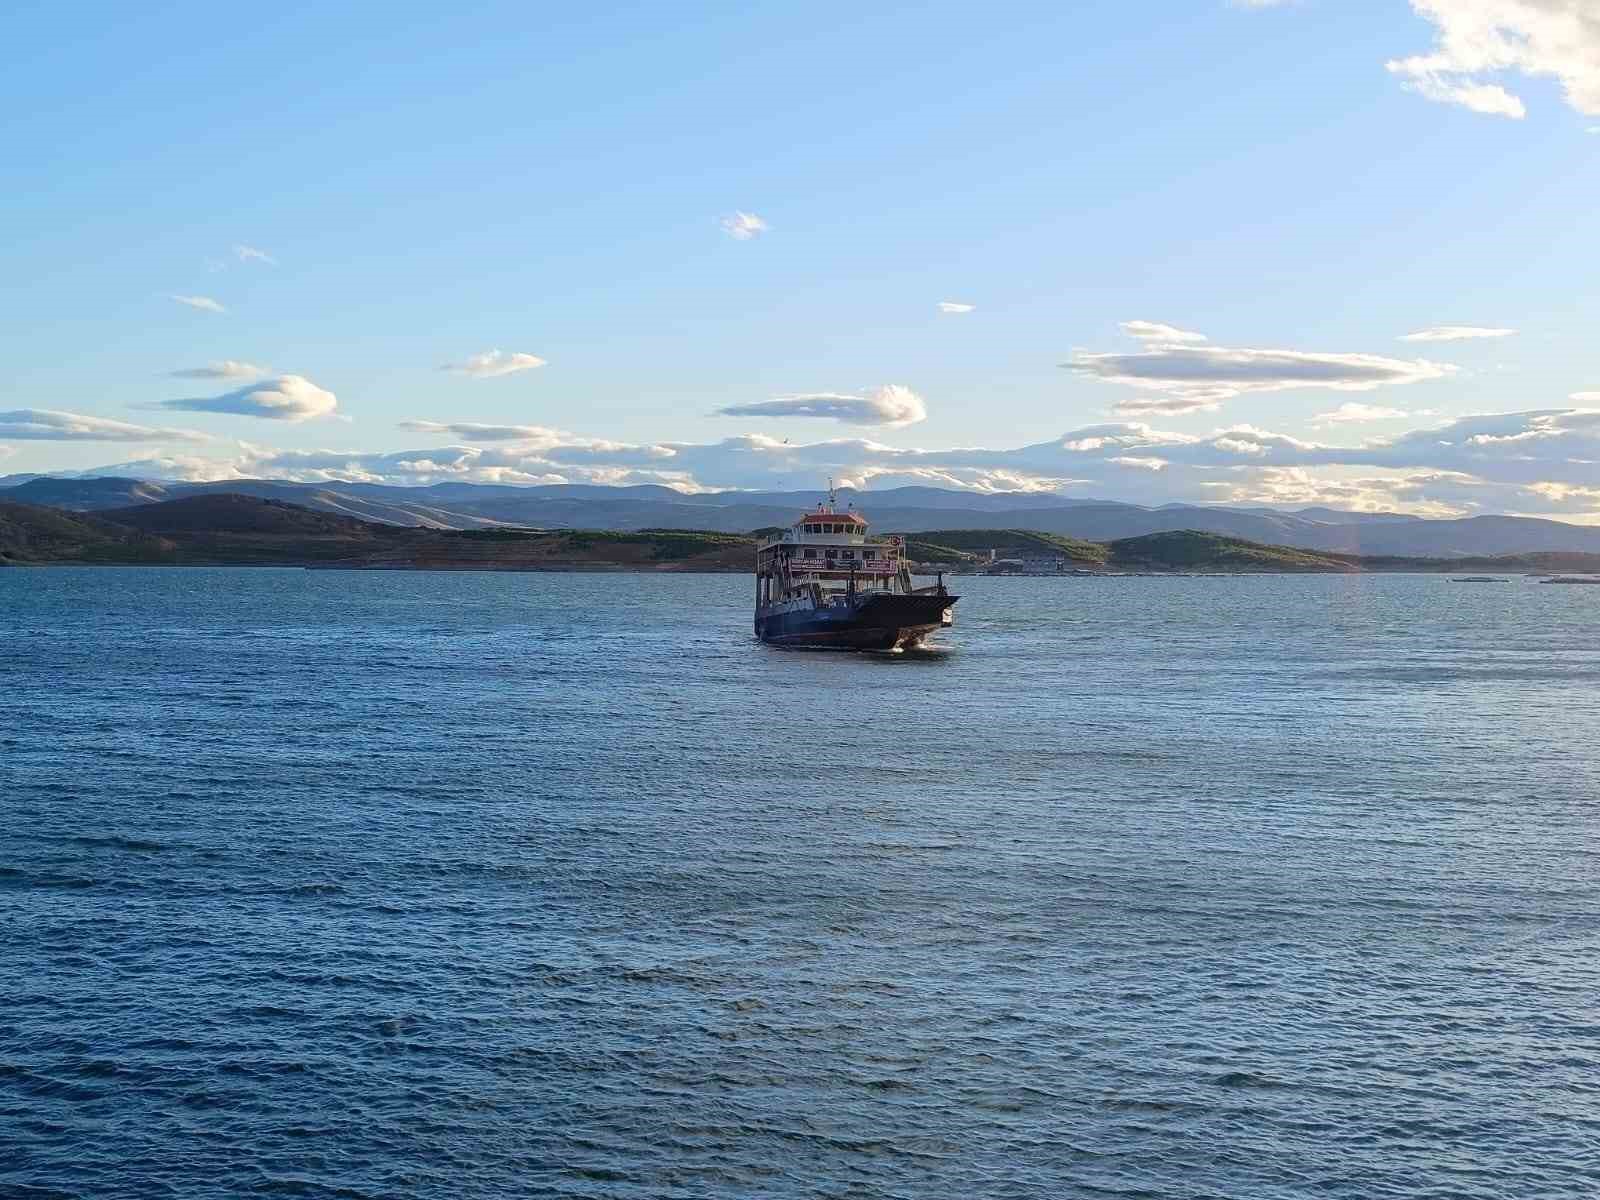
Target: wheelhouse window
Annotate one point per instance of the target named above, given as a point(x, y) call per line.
point(811, 553)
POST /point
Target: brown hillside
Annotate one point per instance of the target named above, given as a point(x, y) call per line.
point(231, 513)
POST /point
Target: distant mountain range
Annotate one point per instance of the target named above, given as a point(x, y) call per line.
point(903, 510)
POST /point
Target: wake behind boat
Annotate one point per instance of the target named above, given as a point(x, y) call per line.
point(825, 583)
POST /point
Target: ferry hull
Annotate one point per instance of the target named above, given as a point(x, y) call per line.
point(883, 622)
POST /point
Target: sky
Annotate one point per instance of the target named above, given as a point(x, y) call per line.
point(1307, 252)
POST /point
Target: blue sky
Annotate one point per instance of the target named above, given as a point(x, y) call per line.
point(1302, 184)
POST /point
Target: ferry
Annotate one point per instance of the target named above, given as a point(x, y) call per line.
point(826, 583)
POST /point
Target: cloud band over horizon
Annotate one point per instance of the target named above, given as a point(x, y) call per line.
point(1536, 461)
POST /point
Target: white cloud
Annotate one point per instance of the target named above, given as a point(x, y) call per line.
point(1491, 100)
point(1232, 445)
point(1534, 427)
point(1543, 460)
point(467, 464)
point(1353, 413)
point(1139, 462)
point(284, 398)
point(1174, 375)
point(526, 445)
point(892, 406)
point(475, 432)
point(1457, 333)
point(1562, 492)
point(955, 307)
point(227, 368)
point(492, 364)
point(1420, 494)
point(1179, 403)
point(743, 226)
point(1119, 436)
point(50, 425)
point(241, 254)
point(203, 303)
point(1479, 41)
point(1155, 331)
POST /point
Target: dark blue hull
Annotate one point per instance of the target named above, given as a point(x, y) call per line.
point(878, 622)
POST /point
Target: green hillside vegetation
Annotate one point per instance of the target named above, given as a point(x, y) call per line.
point(223, 529)
point(958, 545)
point(234, 530)
point(671, 545)
point(1190, 550)
point(31, 533)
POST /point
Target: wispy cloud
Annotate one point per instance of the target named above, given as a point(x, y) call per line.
point(227, 368)
point(246, 254)
point(1457, 333)
point(1155, 331)
point(743, 226)
point(474, 431)
point(203, 303)
point(1481, 40)
point(1178, 372)
point(891, 406)
point(492, 364)
point(952, 306)
point(284, 398)
point(1490, 99)
point(1353, 414)
point(1139, 462)
point(50, 425)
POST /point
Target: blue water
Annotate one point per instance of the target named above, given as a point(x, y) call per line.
point(420, 885)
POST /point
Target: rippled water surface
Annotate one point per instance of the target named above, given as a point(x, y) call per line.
point(426, 885)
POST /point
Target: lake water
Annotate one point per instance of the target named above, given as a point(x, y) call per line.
point(420, 885)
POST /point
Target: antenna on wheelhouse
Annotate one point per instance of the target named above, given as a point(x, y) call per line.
point(833, 494)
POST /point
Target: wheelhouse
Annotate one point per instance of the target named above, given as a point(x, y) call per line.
point(829, 556)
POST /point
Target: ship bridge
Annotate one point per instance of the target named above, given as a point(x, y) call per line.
point(827, 523)
point(828, 553)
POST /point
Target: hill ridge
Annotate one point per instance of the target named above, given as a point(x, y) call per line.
point(234, 529)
